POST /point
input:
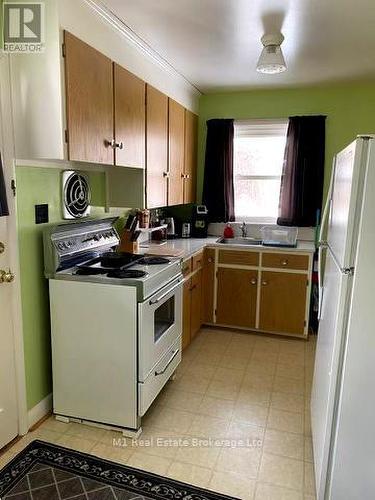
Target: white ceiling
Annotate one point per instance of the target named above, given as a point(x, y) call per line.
point(215, 44)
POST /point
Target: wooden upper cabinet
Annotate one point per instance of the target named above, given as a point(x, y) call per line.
point(283, 302)
point(176, 153)
point(89, 102)
point(190, 168)
point(156, 147)
point(236, 297)
point(129, 109)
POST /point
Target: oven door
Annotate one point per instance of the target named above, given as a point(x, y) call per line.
point(160, 325)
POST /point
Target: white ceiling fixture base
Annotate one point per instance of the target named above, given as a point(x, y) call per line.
point(271, 60)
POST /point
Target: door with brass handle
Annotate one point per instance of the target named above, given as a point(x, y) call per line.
point(6, 276)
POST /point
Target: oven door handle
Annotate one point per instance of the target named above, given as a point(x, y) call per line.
point(169, 362)
point(156, 301)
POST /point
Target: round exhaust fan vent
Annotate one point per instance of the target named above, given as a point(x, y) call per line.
point(76, 195)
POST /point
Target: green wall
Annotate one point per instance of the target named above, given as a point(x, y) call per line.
point(350, 110)
point(36, 186)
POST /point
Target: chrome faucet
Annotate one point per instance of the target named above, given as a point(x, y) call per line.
point(244, 230)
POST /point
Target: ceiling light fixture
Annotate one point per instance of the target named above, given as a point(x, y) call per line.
point(271, 59)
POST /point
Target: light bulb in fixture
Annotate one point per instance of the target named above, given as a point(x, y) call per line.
point(271, 59)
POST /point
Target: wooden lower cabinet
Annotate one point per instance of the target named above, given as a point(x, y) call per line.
point(208, 284)
point(186, 314)
point(196, 299)
point(283, 302)
point(236, 297)
point(191, 315)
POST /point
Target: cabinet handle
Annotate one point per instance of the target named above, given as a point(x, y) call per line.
point(264, 282)
point(210, 260)
point(113, 144)
point(253, 281)
point(166, 174)
point(187, 176)
point(284, 262)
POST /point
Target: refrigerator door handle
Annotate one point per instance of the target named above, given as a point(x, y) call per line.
point(327, 206)
point(320, 281)
point(323, 243)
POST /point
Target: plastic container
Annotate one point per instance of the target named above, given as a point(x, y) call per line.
point(279, 236)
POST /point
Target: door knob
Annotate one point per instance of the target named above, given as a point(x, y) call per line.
point(2, 247)
point(6, 276)
point(264, 282)
point(253, 281)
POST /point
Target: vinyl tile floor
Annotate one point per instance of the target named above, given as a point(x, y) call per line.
point(236, 420)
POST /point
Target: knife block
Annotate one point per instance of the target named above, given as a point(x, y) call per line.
point(126, 245)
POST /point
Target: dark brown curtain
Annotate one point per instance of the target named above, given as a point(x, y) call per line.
point(3, 195)
point(218, 191)
point(303, 172)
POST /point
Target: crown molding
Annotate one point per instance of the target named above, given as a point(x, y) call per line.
point(136, 41)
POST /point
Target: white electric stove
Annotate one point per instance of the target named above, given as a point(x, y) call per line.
point(116, 325)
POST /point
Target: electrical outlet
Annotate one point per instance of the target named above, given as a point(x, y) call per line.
point(41, 214)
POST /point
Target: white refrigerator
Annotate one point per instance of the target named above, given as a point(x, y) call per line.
point(343, 393)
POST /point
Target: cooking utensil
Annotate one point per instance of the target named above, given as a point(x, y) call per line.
point(135, 235)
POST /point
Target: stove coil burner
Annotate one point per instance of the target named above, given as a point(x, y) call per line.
point(113, 259)
point(126, 273)
point(150, 261)
point(90, 271)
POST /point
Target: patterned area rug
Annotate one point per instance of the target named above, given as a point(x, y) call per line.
point(44, 471)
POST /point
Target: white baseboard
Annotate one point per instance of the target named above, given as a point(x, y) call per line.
point(40, 410)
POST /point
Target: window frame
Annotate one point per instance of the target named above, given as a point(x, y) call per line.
point(258, 128)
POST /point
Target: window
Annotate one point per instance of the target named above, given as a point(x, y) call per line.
point(258, 161)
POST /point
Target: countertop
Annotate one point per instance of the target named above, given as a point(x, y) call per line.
point(190, 246)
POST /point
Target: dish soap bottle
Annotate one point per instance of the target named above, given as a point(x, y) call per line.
point(228, 231)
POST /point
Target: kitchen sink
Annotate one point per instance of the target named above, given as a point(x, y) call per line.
point(239, 241)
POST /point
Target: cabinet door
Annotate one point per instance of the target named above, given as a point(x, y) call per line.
point(190, 167)
point(176, 153)
point(156, 147)
point(129, 108)
point(89, 102)
point(208, 282)
point(186, 314)
point(236, 297)
point(283, 302)
point(196, 299)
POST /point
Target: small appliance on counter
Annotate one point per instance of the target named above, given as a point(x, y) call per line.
point(185, 233)
point(279, 236)
point(199, 222)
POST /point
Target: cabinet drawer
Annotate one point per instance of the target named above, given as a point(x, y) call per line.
point(160, 374)
point(238, 257)
point(187, 267)
point(285, 261)
point(197, 261)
